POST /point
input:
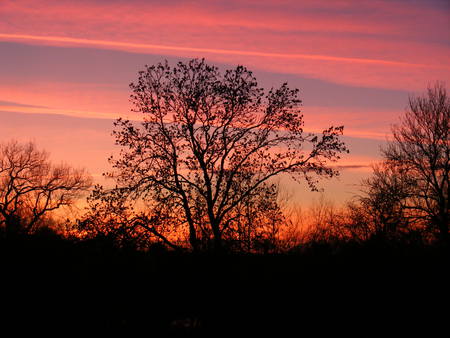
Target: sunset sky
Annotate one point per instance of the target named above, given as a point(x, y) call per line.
point(66, 65)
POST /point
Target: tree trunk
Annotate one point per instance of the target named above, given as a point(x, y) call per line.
point(217, 241)
point(13, 225)
point(443, 230)
point(193, 241)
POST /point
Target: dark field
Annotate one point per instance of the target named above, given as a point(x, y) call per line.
point(52, 285)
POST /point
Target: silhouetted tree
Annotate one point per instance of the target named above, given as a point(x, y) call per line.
point(112, 217)
point(326, 224)
point(255, 224)
point(31, 187)
point(420, 151)
point(209, 141)
point(379, 213)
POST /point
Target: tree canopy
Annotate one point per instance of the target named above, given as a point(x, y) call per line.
point(211, 142)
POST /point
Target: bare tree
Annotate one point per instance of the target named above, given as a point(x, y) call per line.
point(257, 221)
point(110, 215)
point(421, 151)
point(209, 141)
point(326, 223)
point(31, 187)
point(380, 212)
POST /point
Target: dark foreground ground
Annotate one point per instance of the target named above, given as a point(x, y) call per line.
point(49, 285)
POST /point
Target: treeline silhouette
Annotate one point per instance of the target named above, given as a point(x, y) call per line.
point(60, 285)
point(196, 239)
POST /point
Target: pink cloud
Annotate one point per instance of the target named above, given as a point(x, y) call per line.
point(340, 69)
point(81, 100)
point(377, 43)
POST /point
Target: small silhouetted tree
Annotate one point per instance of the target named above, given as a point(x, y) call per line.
point(257, 222)
point(31, 187)
point(380, 211)
point(209, 141)
point(326, 224)
point(110, 216)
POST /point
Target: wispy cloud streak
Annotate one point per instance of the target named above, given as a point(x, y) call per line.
point(159, 48)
